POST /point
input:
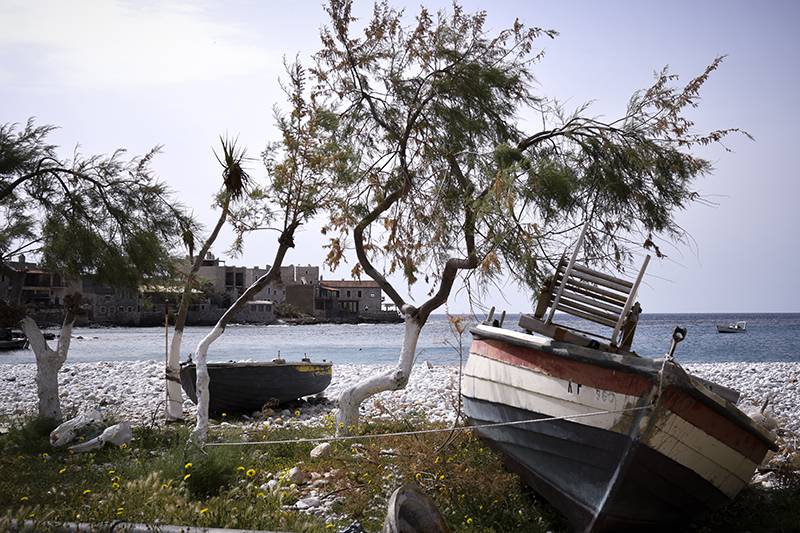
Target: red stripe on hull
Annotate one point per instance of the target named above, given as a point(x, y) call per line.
point(563, 368)
point(715, 424)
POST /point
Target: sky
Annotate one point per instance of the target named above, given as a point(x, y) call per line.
point(137, 74)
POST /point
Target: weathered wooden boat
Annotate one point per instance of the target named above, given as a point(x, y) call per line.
point(735, 327)
point(247, 387)
point(613, 440)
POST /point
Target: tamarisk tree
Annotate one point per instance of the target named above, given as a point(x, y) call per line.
point(234, 181)
point(297, 187)
point(444, 181)
point(103, 216)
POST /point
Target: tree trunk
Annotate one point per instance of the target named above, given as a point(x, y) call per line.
point(395, 379)
point(174, 399)
point(285, 242)
point(49, 362)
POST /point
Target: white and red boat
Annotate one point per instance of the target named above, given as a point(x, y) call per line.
point(620, 444)
point(613, 440)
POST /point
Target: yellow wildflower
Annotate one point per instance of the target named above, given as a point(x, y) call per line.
point(62, 470)
point(124, 445)
point(115, 486)
point(469, 521)
point(112, 472)
point(418, 476)
point(120, 510)
point(297, 412)
point(240, 468)
point(441, 477)
point(87, 491)
point(187, 476)
point(204, 510)
point(251, 472)
point(23, 499)
point(437, 460)
point(187, 466)
point(261, 495)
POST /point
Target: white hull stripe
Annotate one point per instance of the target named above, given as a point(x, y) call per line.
point(487, 379)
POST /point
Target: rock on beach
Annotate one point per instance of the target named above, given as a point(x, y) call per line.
point(134, 391)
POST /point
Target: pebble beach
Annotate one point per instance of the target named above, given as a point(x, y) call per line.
point(134, 390)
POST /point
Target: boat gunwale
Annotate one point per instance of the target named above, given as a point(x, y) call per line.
point(677, 376)
point(265, 364)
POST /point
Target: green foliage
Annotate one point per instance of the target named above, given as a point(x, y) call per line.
point(442, 171)
point(145, 482)
point(210, 472)
point(298, 165)
point(97, 215)
point(29, 436)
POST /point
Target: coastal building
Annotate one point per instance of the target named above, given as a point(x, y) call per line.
point(234, 280)
point(351, 300)
point(298, 292)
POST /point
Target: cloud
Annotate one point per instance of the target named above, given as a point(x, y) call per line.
point(99, 44)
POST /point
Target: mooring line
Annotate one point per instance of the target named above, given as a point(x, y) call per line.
point(425, 431)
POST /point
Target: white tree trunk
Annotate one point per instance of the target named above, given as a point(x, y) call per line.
point(174, 409)
point(174, 398)
point(48, 363)
point(200, 432)
point(395, 379)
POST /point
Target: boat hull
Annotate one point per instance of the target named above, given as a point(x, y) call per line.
point(246, 387)
point(612, 446)
point(728, 329)
point(15, 344)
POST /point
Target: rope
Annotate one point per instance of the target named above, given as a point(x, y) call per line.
point(426, 431)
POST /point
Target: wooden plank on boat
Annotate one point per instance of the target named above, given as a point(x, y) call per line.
point(602, 282)
point(594, 302)
point(732, 395)
point(608, 278)
point(598, 313)
point(560, 332)
point(596, 292)
point(586, 316)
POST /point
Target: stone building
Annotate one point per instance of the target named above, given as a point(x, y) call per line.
point(351, 301)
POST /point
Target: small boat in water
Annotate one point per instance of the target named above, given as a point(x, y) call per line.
point(613, 440)
point(734, 327)
point(247, 387)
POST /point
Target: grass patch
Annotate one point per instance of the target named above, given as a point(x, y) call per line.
point(158, 479)
point(30, 436)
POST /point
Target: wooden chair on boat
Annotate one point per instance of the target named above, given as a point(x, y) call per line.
point(584, 293)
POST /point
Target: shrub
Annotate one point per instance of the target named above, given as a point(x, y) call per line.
point(211, 473)
point(31, 435)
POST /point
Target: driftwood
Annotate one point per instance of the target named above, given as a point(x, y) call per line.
point(117, 434)
point(66, 432)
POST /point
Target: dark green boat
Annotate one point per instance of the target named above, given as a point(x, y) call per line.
point(241, 388)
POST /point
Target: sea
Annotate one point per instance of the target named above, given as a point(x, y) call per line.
point(769, 337)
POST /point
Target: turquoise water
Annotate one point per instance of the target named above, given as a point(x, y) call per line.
point(769, 337)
